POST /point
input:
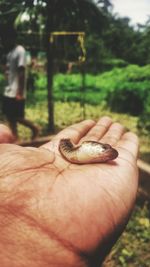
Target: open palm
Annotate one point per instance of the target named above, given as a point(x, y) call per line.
point(78, 210)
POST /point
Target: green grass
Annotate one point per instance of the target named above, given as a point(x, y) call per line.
point(67, 113)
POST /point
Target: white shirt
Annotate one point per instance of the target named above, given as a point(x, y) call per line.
point(15, 59)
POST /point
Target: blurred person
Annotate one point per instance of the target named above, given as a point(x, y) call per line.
point(15, 90)
point(55, 213)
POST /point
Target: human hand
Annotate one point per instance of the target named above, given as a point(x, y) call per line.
point(54, 213)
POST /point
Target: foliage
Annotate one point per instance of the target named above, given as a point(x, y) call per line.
point(122, 39)
point(124, 90)
point(129, 43)
point(144, 118)
point(109, 37)
point(100, 58)
point(71, 15)
point(131, 91)
point(116, 38)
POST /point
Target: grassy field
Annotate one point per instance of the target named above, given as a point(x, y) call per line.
point(67, 113)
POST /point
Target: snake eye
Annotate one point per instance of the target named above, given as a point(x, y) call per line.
point(106, 146)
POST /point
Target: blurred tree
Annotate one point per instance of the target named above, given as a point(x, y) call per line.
point(127, 42)
point(119, 37)
point(144, 45)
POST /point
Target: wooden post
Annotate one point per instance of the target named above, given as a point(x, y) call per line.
point(50, 66)
point(82, 88)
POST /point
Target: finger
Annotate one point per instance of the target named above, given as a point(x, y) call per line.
point(99, 129)
point(113, 134)
point(128, 146)
point(74, 132)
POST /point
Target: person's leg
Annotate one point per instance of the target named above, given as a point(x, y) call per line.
point(31, 125)
point(9, 111)
point(13, 127)
point(20, 113)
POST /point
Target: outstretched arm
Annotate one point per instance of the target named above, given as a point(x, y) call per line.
point(54, 213)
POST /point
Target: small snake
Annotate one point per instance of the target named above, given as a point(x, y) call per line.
point(87, 152)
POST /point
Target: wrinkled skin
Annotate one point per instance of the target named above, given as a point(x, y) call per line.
point(54, 213)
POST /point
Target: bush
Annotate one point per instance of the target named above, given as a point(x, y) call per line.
point(126, 101)
point(122, 89)
point(129, 90)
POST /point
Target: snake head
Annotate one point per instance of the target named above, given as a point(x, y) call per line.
point(87, 152)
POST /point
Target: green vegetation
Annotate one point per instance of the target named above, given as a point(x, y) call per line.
point(133, 247)
point(122, 89)
point(117, 92)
